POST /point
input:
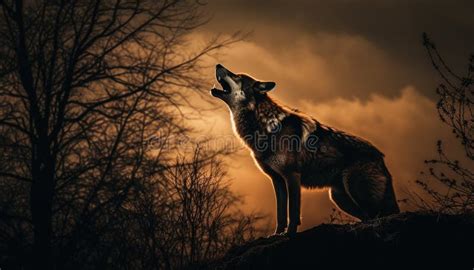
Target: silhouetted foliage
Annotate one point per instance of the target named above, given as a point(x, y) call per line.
point(183, 215)
point(449, 183)
point(89, 96)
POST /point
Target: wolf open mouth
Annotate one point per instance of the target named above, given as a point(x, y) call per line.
point(220, 75)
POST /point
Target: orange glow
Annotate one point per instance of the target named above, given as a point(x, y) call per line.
point(344, 81)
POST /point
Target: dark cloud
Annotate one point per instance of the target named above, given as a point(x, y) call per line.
point(394, 27)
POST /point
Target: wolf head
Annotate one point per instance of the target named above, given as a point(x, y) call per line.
point(239, 90)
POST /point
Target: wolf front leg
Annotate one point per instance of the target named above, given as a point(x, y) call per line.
point(293, 180)
point(281, 196)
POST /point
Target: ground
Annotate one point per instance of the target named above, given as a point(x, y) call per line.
point(427, 240)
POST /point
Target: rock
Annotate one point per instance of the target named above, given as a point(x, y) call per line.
point(401, 241)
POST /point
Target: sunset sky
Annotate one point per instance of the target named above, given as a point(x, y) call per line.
point(358, 66)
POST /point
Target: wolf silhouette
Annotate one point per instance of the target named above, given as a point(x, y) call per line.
point(296, 150)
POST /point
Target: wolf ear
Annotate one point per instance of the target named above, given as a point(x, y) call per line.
point(264, 86)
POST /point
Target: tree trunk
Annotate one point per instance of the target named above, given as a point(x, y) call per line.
point(41, 198)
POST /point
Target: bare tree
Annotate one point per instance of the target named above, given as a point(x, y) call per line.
point(195, 220)
point(450, 184)
point(83, 84)
point(173, 217)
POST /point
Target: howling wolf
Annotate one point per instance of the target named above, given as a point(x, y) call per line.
point(296, 150)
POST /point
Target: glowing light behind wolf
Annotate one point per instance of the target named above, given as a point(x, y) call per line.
point(371, 79)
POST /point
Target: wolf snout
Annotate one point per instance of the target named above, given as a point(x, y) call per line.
point(221, 72)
